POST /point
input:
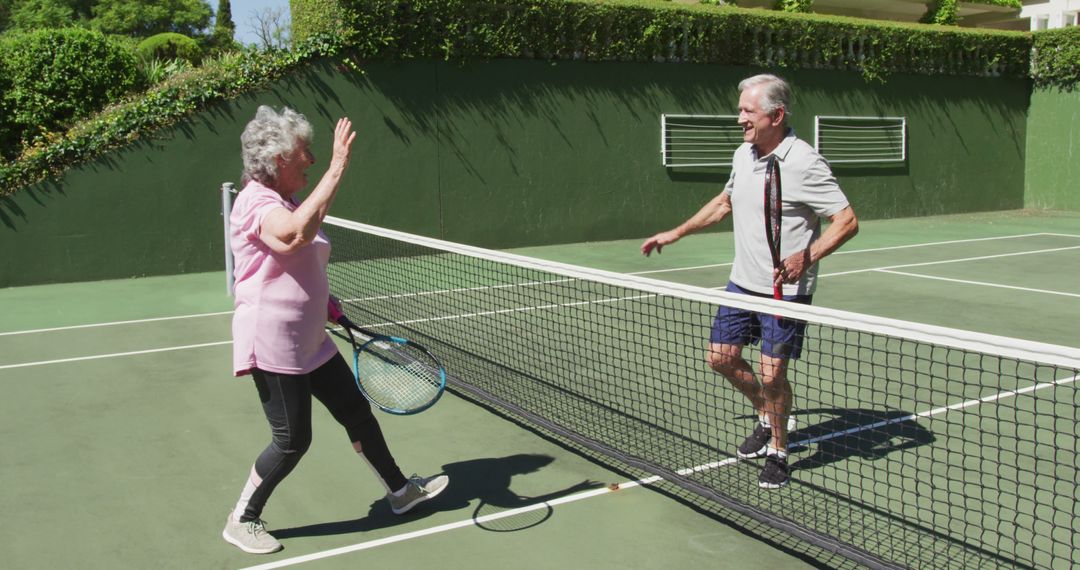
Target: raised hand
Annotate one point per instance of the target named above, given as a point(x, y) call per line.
point(343, 140)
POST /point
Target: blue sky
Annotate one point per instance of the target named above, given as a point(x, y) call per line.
point(242, 15)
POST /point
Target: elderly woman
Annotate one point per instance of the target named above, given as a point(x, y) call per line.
point(282, 297)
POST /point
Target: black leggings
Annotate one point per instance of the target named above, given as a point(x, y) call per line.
point(286, 400)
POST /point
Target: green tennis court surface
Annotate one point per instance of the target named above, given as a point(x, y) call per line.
point(126, 443)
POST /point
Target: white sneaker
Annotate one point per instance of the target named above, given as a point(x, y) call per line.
point(251, 536)
point(416, 491)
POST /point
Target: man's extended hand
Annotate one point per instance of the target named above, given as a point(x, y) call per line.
point(658, 242)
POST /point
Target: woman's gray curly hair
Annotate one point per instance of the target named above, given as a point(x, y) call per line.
point(268, 135)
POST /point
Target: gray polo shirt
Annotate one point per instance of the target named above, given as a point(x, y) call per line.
point(810, 192)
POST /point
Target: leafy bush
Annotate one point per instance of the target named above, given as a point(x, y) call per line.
point(942, 13)
point(162, 105)
point(1018, 4)
point(156, 70)
point(56, 77)
point(795, 5)
point(314, 17)
point(168, 46)
point(9, 137)
point(946, 12)
point(1056, 58)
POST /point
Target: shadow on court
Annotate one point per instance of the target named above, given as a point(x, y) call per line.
point(487, 480)
point(862, 433)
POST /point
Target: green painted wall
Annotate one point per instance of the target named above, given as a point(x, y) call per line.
point(1052, 170)
point(502, 153)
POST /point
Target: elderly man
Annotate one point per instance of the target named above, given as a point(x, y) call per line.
point(810, 192)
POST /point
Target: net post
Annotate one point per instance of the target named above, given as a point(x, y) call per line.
point(227, 192)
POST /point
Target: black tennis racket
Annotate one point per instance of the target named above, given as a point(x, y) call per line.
point(774, 218)
point(395, 374)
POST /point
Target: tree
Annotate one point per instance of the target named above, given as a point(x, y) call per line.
point(29, 15)
point(149, 17)
point(224, 28)
point(5, 14)
point(271, 27)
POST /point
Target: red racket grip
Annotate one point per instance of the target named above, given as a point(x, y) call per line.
point(333, 311)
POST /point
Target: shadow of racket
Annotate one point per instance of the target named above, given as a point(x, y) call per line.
point(501, 519)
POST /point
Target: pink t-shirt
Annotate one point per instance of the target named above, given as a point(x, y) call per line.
point(280, 299)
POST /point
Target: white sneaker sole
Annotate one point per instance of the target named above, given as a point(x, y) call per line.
point(248, 549)
point(419, 500)
point(773, 485)
point(759, 453)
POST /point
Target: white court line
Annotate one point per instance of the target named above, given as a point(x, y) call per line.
point(533, 283)
point(370, 326)
point(888, 269)
point(433, 530)
point(942, 262)
point(943, 409)
point(674, 269)
point(115, 354)
point(868, 250)
point(53, 329)
point(1028, 289)
point(640, 482)
point(114, 323)
point(539, 307)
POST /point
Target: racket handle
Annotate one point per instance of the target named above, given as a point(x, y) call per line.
point(335, 314)
point(333, 311)
point(778, 294)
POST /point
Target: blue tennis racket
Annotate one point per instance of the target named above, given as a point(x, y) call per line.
point(396, 375)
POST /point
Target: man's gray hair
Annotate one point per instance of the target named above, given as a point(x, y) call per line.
point(268, 135)
point(775, 92)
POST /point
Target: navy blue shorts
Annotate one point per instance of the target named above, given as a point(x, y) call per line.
point(780, 338)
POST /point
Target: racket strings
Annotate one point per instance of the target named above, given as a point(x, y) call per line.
point(397, 377)
point(773, 218)
point(773, 208)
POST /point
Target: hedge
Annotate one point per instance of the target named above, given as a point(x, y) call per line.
point(1056, 58)
point(614, 30)
point(170, 45)
point(648, 30)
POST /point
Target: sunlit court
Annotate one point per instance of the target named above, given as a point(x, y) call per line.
point(539, 284)
point(118, 404)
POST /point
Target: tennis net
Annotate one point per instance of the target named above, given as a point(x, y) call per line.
point(915, 446)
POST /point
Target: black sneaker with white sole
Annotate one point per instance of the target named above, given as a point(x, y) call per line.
point(776, 473)
point(756, 444)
